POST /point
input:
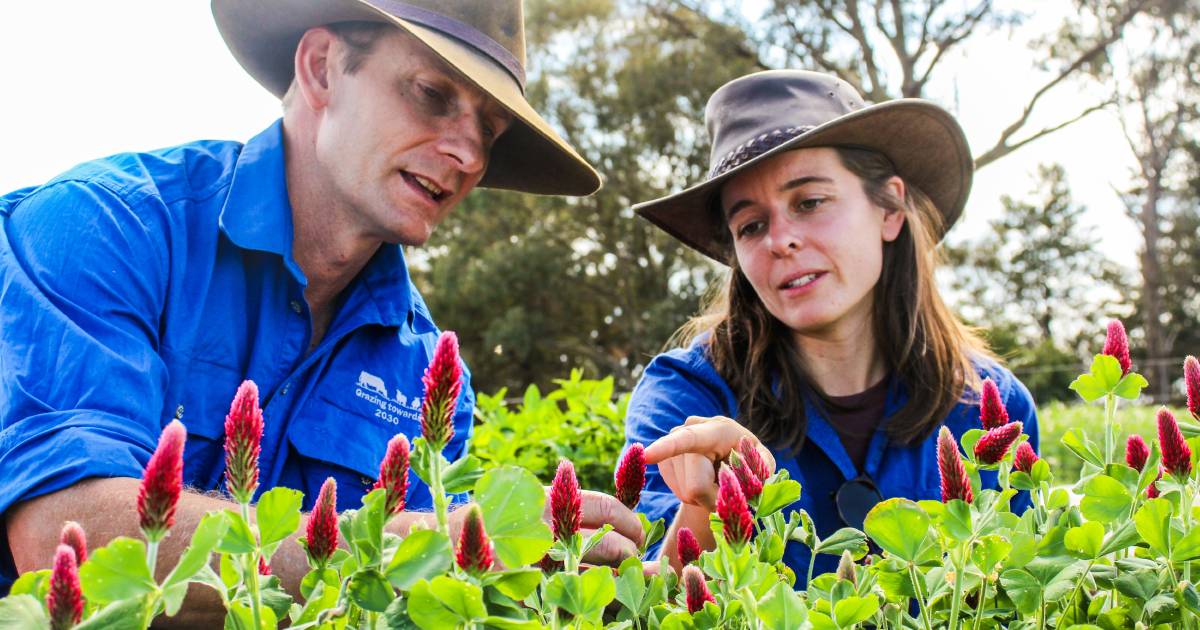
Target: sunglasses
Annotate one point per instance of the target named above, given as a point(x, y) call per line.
point(854, 499)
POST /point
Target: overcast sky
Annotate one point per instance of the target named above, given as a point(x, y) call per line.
point(85, 79)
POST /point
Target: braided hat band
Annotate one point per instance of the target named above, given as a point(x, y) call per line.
point(755, 147)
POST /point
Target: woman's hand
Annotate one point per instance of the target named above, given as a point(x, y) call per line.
point(687, 456)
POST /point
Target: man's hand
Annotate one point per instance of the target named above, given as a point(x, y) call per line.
point(687, 457)
point(600, 509)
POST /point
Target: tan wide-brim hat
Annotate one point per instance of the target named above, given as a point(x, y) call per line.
point(756, 117)
point(484, 40)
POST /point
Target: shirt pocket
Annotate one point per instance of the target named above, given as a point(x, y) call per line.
point(199, 393)
point(348, 433)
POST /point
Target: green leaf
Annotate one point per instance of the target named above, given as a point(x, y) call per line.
point(1107, 371)
point(172, 597)
point(844, 539)
point(631, 584)
point(1088, 388)
point(1077, 442)
point(22, 612)
point(35, 583)
point(242, 617)
point(322, 596)
point(517, 583)
point(1041, 472)
point(463, 599)
point(1023, 589)
point(1153, 521)
point(1085, 541)
point(989, 551)
point(776, 496)
point(504, 623)
point(209, 531)
point(1123, 537)
point(512, 502)
point(366, 527)
point(370, 590)
point(422, 555)
point(1105, 499)
point(116, 571)
point(970, 439)
point(852, 610)
point(278, 514)
point(782, 609)
point(126, 614)
point(426, 611)
point(238, 538)
point(273, 596)
point(583, 595)
point(899, 527)
point(1188, 547)
point(462, 475)
point(1140, 585)
point(1130, 386)
point(956, 519)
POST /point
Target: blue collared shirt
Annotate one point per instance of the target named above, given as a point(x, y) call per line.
point(683, 382)
point(142, 286)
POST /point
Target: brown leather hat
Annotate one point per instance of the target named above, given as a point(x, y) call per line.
point(483, 39)
point(755, 117)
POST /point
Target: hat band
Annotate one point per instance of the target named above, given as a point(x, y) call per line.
point(459, 30)
point(755, 147)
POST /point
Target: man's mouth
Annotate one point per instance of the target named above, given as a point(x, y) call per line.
point(435, 192)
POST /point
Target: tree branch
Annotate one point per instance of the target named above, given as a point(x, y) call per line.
point(999, 151)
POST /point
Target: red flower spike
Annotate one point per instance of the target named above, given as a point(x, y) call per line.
point(72, 535)
point(243, 440)
point(1152, 491)
point(631, 476)
point(393, 475)
point(1025, 458)
point(732, 508)
point(955, 483)
point(992, 414)
point(1116, 344)
point(322, 531)
point(1176, 454)
point(474, 549)
point(687, 546)
point(443, 382)
point(749, 451)
point(263, 567)
point(65, 598)
point(1136, 452)
point(751, 485)
point(1191, 378)
point(161, 483)
point(696, 589)
point(566, 503)
point(994, 445)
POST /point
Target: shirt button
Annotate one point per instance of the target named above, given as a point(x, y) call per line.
point(295, 307)
point(286, 387)
point(368, 482)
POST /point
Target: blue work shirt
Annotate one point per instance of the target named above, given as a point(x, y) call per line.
point(683, 382)
point(142, 286)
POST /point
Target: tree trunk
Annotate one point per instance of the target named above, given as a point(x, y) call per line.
point(1156, 368)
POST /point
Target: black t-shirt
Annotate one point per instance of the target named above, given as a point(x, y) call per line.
point(855, 418)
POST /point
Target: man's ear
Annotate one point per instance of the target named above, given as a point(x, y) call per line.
point(893, 220)
point(315, 66)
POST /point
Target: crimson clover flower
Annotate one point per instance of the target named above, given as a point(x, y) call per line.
point(322, 530)
point(748, 449)
point(566, 503)
point(687, 546)
point(474, 549)
point(393, 475)
point(64, 600)
point(443, 382)
point(1025, 458)
point(1116, 345)
point(751, 485)
point(994, 445)
point(696, 589)
point(955, 483)
point(72, 535)
point(1176, 454)
point(732, 508)
point(1136, 452)
point(992, 414)
point(243, 440)
point(1152, 491)
point(263, 567)
point(162, 482)
point(631, 476)
point(1191, 379)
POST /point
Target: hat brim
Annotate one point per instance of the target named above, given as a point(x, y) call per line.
point(923, 141)
point(529, 157)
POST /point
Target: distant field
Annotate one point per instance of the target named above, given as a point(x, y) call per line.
point(1056, 418)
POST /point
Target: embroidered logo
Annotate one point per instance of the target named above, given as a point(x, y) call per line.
point(373, 390)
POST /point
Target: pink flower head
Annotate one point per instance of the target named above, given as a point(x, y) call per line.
point(393, 474)
point(687, 546)
point(243, 439)
point(566, 503)
point(1176, 454)
point(1136, 452)
point(65, 598)
point(1191, 378)
point(1152, 491)
point(955, 483)
point(696, 589)
point(747, 448)
point(263, 567)
point(443, 382)
point(322, 529)
point(1116, 345)
point(992, 414)
point(72, 535)
point(732, 508)
point(474, 549)
point(751, 485)
point(994, 445)
point(161, 483)
point(1025, 458)
point(631, 476)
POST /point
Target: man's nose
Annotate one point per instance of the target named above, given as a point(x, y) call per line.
point(464, 141)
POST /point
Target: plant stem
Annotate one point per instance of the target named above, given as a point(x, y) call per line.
point(439, 495)
point(1079, 585)
point(812, 561)
point(751, 607)
point(251, 568)
point(151, 555)
point(982, 601)
point(1110, 415)
point(956, 602)
point(914, 576)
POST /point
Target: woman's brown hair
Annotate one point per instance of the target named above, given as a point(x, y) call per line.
point(921, 340)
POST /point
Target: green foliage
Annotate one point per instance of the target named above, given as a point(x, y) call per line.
point(1056, 419)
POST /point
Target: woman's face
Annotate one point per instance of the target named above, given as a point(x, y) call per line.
point(809, 239)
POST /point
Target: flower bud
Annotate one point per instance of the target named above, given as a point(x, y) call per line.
point(263, 567)
point(748, 449)
point(1136, 452)
point(845, 570)
point(566, 503)
point(322, 531)
point(1176, 454)
point(1191, 379)
point(751, 485)
point(687, 546)
point(393, 475)
point(64, 600)
point(955, 483)
point(1025, 458)
point(474, 549)
point(696, 589)
point(1152, 490)
point(732, 508)
point(992, 413)
point(243, 439)
point(631, 476)
point(1116, 344)
point(162, 482)
point(443, 382)
point(994, 445)
point(72, 535)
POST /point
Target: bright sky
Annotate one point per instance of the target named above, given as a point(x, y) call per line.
point(86, 79)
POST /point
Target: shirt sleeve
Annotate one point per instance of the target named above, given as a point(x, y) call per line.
point(82, 280)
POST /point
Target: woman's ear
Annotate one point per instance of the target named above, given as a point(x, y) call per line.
point(893, 220)
point(314, 65)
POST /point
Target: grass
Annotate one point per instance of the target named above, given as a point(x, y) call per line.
point(1056, 418)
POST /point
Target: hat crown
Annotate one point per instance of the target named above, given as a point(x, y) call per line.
point(501, 20)
point(756, 113)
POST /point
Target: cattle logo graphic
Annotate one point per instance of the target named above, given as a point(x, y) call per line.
point(372, 383)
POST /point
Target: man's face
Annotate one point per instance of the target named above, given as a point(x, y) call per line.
point(403, 139)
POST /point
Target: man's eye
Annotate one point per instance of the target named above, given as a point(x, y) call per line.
point(432, 93)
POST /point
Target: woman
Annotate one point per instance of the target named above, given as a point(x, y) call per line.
point(829, 343)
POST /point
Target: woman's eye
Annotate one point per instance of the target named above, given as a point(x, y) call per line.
point(750, 228)
point(810, 203)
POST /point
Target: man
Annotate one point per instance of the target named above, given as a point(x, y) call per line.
point(143, 287)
